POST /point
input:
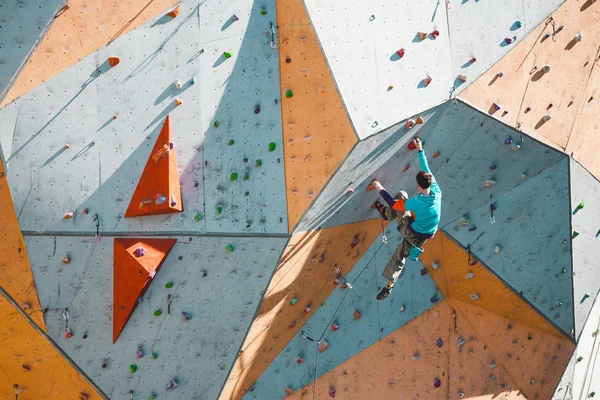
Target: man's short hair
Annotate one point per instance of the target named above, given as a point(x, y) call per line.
point(424, 179)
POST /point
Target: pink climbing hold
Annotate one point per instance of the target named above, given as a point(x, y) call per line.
point(172, 385)
point(427, 80)
point(139, 252)
point(510, 40)
point(332, 392)
point(350, 190)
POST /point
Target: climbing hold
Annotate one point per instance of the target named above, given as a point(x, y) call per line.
point(416, 356)
point(152, 396)
point(547, 35)
point(402, 309)
point(420, 121)
point(139, 353)
point(160, 200)
point(474, 296)
point(527, 109)
point(257, 110)
point(307, 310)
point(227, 54)
point(172, 385)
point(496, 106)
point(66, 260)
point(186, 316)
point(437, 383)
point(288, 60)
point(272, 146)
point(356, 314)
point(25, 305)
point(174, 12)
point(510, 40)
point(518, 24)
point(436, 154)
point(546, 68)
point(193, 81)
point(246, 193)
point(233, 176)
point(246, 177)
point(177, 84)
point(508, 140)
point(435, 34)
point(575, 234)
point(26, 368)
point(263, 12)
point(235, 18)
point(229, 248)
point(423, 271)
point(422, 35)
point(216, 124)
point(198, 217)
point(489, 182)
point(472, 60)
point(435, 265)
point(559, 304)
point(294, 301)
point(434, 299)
point(67, 146)
point(68, 215)
point(67, 332)
point(133, 368)
point(103, 365)
point(523, 177)
point(578, 37)
point(493, 167)
point(406, 168)
point(300, 360)
point(219, 210)
point(113, 61)
point(323, 346)
point(157, 312)
point(497, 249)
point(549, 106)
point(585, 297)
point(439, 342)
point(460, 395)
point(85, 211)
point(335, 327)
point(427, 80)
point(178, 102)
point(462, 77)
point(409, 124)
point(258, 163)
point(289, 391)
point(289, 94)
point(579, 358)
point(292, 324)
point(331, 392)
point(470, 275)
point(516, 147)
point(400, 52)
point(580, 205)
point(139, 252)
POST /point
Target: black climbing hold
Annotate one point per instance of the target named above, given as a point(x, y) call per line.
point(288, 60)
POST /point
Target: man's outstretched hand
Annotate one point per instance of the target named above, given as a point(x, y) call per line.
point(418, 144)
point(377, 185)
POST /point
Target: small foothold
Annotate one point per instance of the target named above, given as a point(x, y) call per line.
point(157, 313)
point(578, 37)
point(400, 52)
point(516, 147)
point(139, 353)
point(518, 24)
point(288, 60)
point(172, 385)
point(559, 304)
point(263, 12)
point(272, 146)
point(427, 80)
point(219, 210)
point(423, 271)
point(435, 34)
point(177, 84)
point(546, 68)
point(103, 365)
point(474, 296)
point(67, 146)
point(246, 177)
point(523, 177)
point(547, 35)
point(68, 215)
point(323, 346)
point(356, 314)
point(139, 252)
point(434, 299)
point(244, 160)
point(133, 368)
point(510, 40)
point(25, 305)
point(186, 316)
point(508, 140)
point(335, 327)
point(169, 285)
point(193, 81)
point(174, 12)
point(292, 324)
point(579, 358)
point(257, 110)
point(472, 228)
point(331, 392)
point(462, 77)
point(216, 124)
point(85, 335)
point(493, 167)
point(402, 308)
point(460, 395)
point(307, 310)
point(204, 273)
point(350, 190)
point(416, 357)
point(500, 74)
point(436, 154)
point(435, 265)
point(497, 249)
point(153, 396)
point(85, 211)
point(440, 343)
point(289, 94)
point(472, 60)
point(198, 217)
point(490, 182)
point(229, 248)
point(233, 176)
point(437, 383)
point(300, 360)
point(580, 205)
point(496, 106)
point(422, 35)
point(113, 61)
point(294, 301)
point(390, 88)
point(26, 368)
point(235, 18)
point(406, 168)
point(246, 193)
point(178, 102)
point(575, 234)
point(227, 54)
point(66, 260)
point(258, 163)
point(470, 275)
point(527, 109)
point(409, 124)
point(460, 342)
point(420, 121)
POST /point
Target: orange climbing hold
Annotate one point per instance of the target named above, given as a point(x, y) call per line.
point(133, 275)
point(158, 190)
point(113, 61)
point(174, 12)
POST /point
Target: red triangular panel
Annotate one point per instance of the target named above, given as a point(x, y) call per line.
point(133, 274)
point(159, 180)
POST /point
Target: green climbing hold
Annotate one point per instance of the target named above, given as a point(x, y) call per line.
point(245, 159)
point(227, 54)
point(219, 210)
point(157, 313)
point(247, 226)
point(154, 355)
point(272, 146)
point(204, 273)
point(289, 94)
point(133, 368)
point(152, 396)
point(229, 248)
point(233, 176)
point(246, 177)
point(563, 271)
point(246, 193)
point(575, 234)
point(231, 142)
point(294, 301)
point(169, 285)
point(258, 163)
point(198, 217)
point(216, 124)
point(263, 12)
point(580, 205)
point(579, 358)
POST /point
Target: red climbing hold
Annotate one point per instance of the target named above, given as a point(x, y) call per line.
point(159, 181)
point(133, 275)
point(332, 392)
point(400, 53)
point(435, 34)
point(427, 80)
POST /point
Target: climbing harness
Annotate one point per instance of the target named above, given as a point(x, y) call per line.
point(492, 208)
point(272, 31)
point(97, 224)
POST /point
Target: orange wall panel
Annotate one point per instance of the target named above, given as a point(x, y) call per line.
point(317, 132)
point(306, 271)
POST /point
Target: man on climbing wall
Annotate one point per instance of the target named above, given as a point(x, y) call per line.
point(426, 207)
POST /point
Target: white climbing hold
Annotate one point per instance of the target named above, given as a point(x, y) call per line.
point(435, 264)
point(547, 117)
point(578, 37)
point(546, 68)
point(474, 296)
point(523, 177)
point(497, 249)
point(402, 309)
point(490, 182)
point(177, 84)
point(470, 275)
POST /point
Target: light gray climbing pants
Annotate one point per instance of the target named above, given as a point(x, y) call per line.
point(394, 268)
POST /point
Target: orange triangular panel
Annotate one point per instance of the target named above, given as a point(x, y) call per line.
point(133, 274)
point(158, 190)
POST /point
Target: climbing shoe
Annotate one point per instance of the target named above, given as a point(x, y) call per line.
point(385, 292)
point(381, 208)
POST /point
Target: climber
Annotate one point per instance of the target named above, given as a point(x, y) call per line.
point(426, 207)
